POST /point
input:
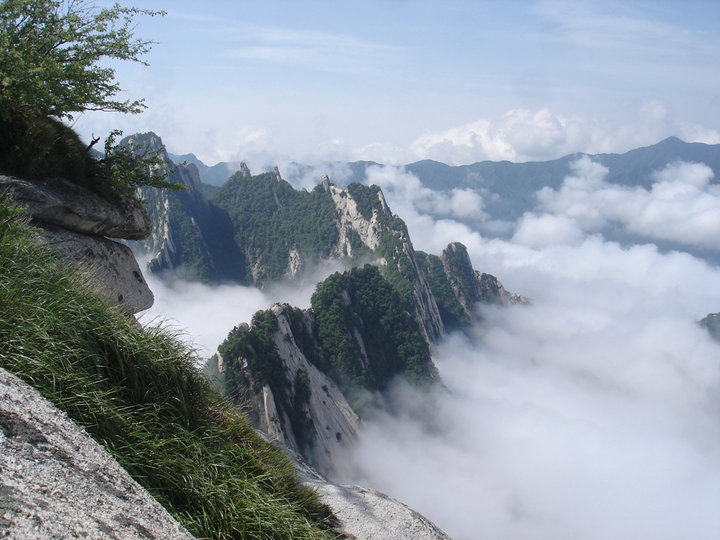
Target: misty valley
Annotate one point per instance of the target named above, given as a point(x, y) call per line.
point(514, 350)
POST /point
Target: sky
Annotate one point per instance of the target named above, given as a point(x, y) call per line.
point(398, 81)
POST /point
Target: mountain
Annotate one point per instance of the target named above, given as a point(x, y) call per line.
point(711, 323)
point(190, 236)
point(259, 229)
point(306, 376)
point(215, 175)
point(509, 189)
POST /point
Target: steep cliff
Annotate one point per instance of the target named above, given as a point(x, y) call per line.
point(190, 236)
point(269, 370)
point(712, 323)
point(457, 287)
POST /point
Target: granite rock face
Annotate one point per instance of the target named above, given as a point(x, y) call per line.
point(77, 223)
point(57, 482)
point(367, 514)
point(111, 266)
point(332, 423)
point(349, 219)
point(67, 205)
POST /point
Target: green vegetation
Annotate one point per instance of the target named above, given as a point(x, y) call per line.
point(202, 236)
point(458, 261)
point(270, 219)
point(399, 270)
point(137, 392)
point(51, 53)
point(366, 198)
point(356, 332)
point(361, 306)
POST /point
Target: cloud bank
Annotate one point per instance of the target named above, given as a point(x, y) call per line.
point(682, 206)
point(204, 315)
point(542, 134)
point(592, 413)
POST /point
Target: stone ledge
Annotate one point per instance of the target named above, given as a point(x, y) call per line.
point(64, 204)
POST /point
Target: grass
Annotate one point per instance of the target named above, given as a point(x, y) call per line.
point(137, 392)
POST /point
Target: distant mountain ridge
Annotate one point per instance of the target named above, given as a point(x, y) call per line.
point(627, 168)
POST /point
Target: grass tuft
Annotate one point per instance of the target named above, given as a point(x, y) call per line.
point(137, 392)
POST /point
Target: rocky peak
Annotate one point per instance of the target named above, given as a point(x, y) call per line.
point(300, 406)
point(363, 214)
point(146, 144)
point(244, 170)
point(711, 323)
point(276, 172)
point(325, 182)
point(469, 285)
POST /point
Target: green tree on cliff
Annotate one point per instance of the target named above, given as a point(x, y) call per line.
point(51, 69)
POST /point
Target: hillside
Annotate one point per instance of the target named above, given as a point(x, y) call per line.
point(136, 391)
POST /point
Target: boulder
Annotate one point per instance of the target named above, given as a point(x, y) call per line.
point(75, 222)
point(57, 482)
point(111, 266)
point(64, 204)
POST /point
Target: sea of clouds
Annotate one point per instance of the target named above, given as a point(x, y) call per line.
point(594, 411)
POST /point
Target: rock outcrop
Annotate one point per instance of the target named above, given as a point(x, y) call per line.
point(190, 236)
point(307, 412)
point(57, 482)
point(366, 514)
point(79, 223)
point(711, 323)
point(471, 286)
point(385, 236)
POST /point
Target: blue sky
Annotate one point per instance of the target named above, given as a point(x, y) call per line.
point(398, 81)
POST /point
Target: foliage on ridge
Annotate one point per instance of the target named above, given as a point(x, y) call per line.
point(52, 55)
point(359, 335)
point(270, 219)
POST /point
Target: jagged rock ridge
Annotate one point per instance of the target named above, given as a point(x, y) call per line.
point(711, 323)
point(306, 375)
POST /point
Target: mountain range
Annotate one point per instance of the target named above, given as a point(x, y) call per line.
point(509, 186)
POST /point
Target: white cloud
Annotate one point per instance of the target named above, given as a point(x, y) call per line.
point(681, 206)
point(590, 414)
point(518, 135)
point(205, 314)
point(547, 230)
point(407, 196)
